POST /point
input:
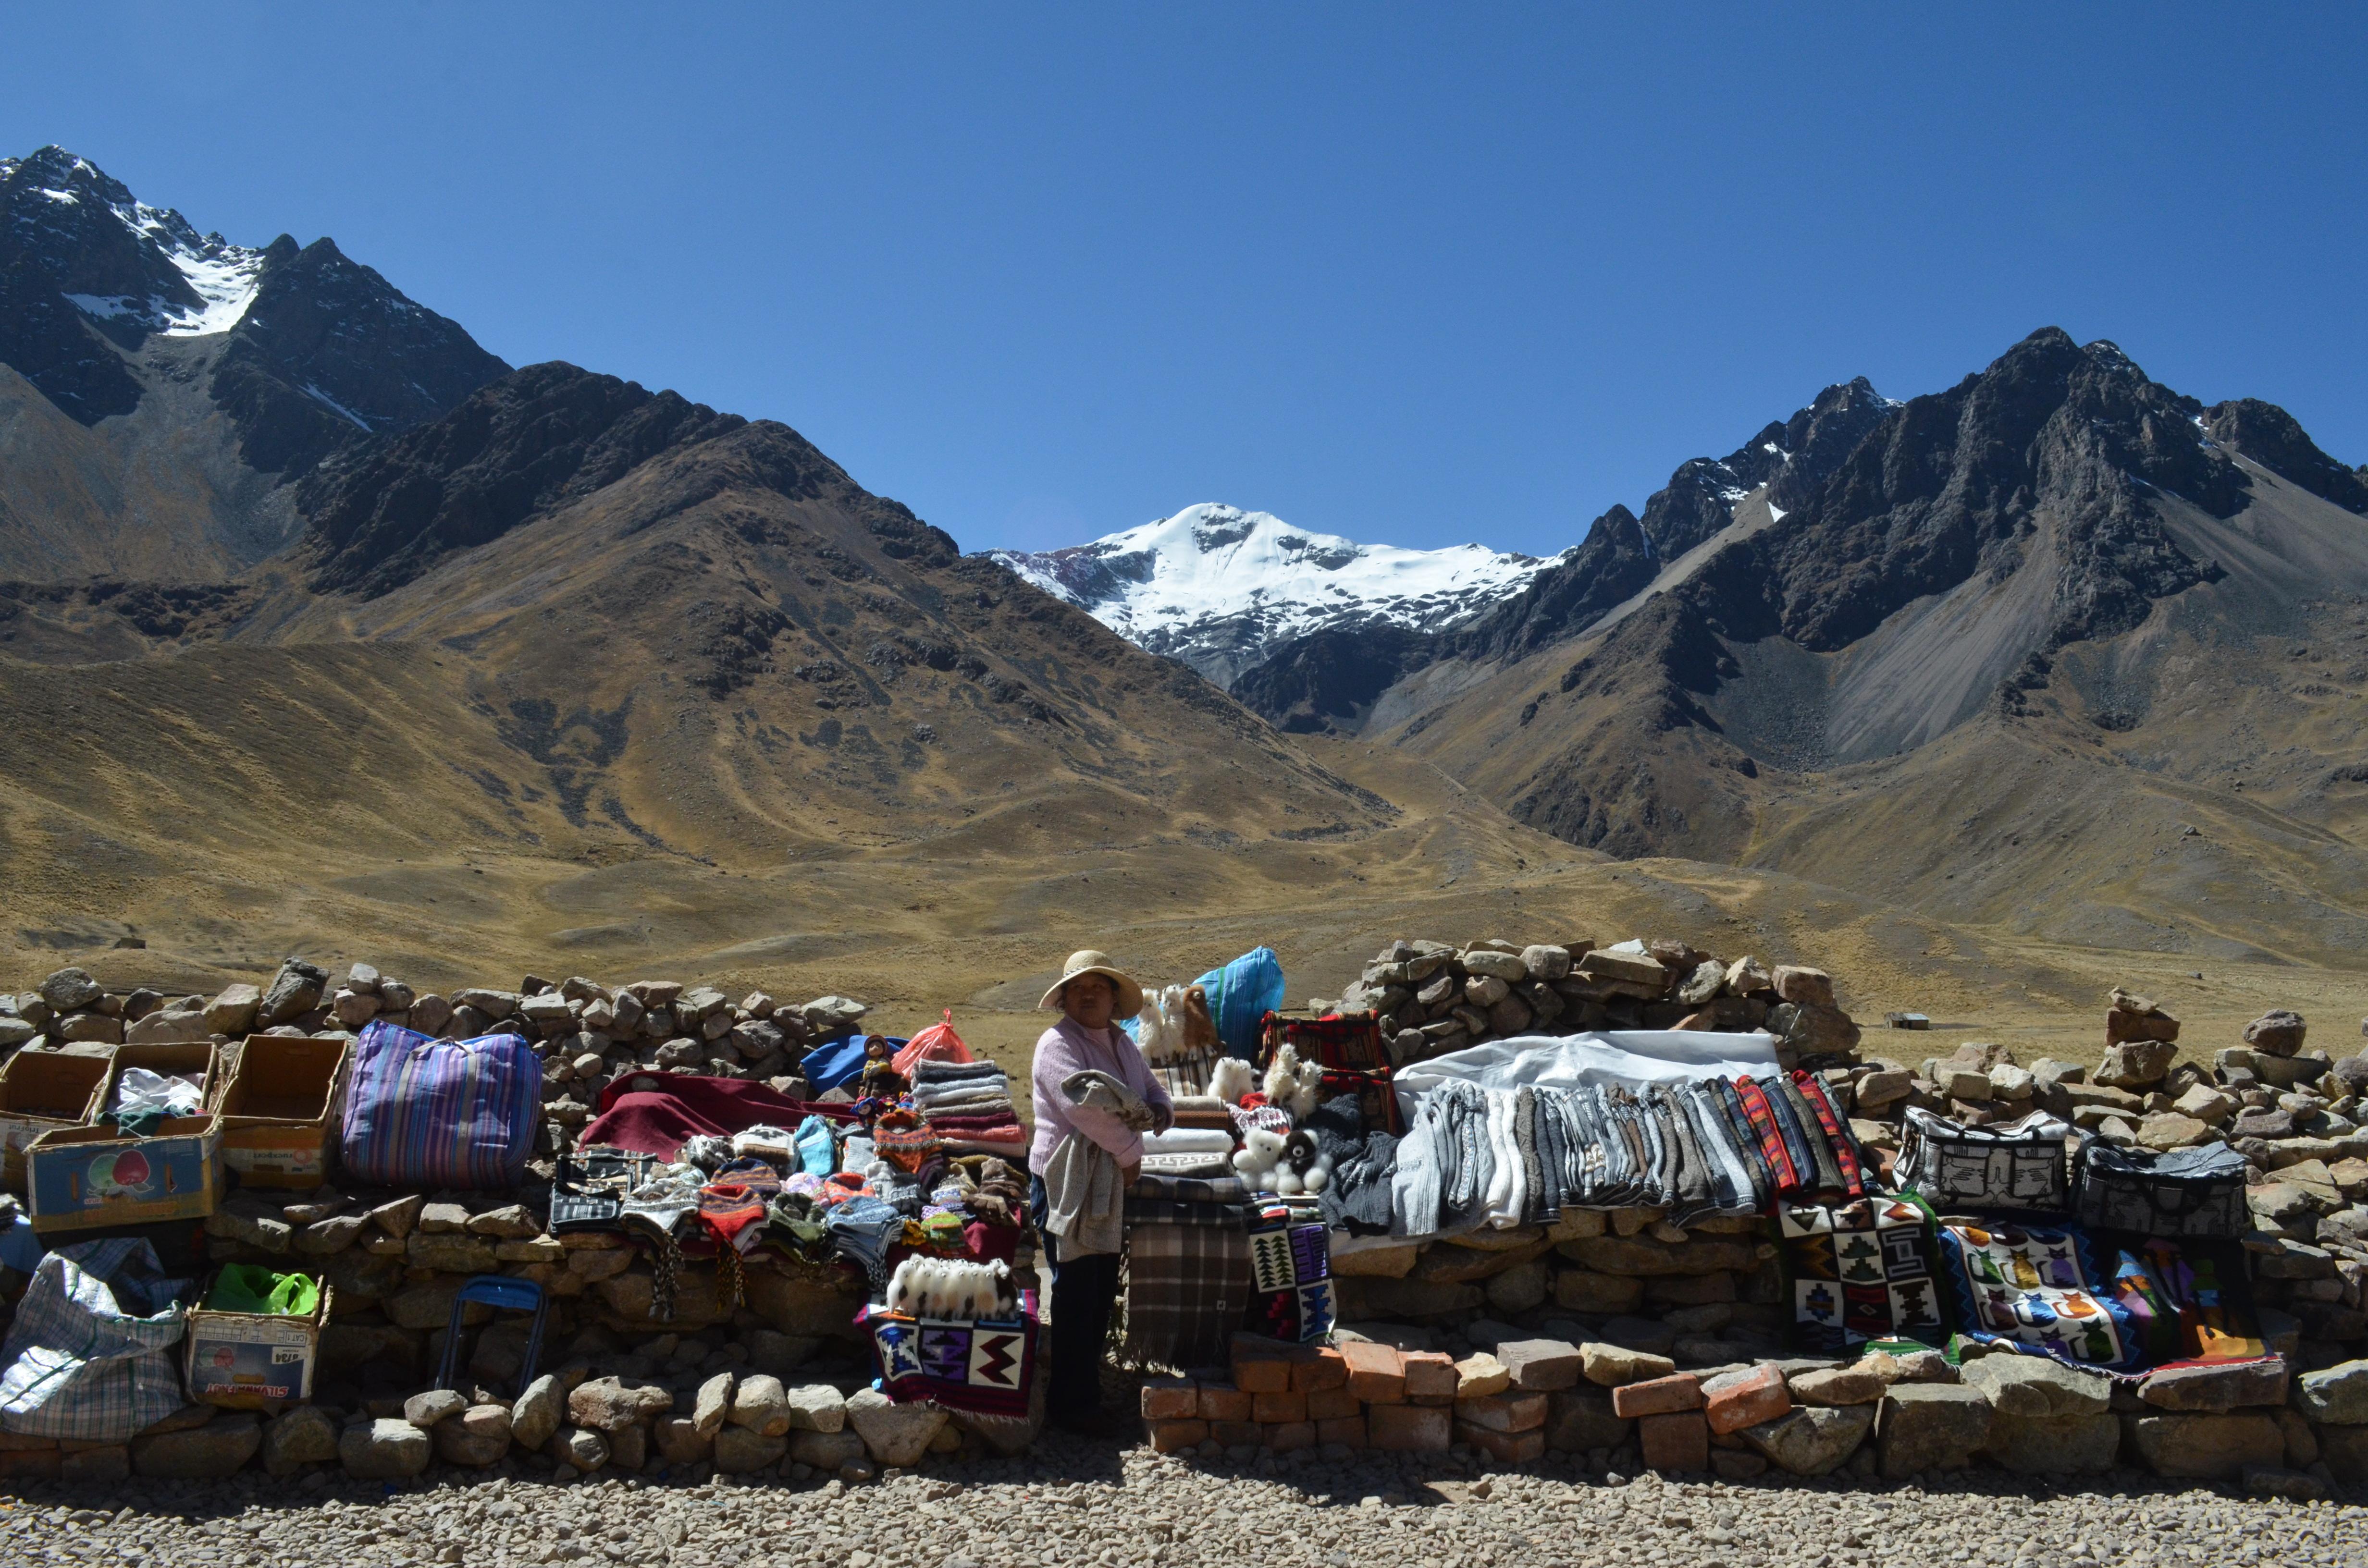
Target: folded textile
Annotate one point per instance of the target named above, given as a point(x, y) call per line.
point(1830, 1123)
point(1188, 1287)
point(938, 1069)
point(1187, 1140)
point(968, 1126)
point(1187, 1164)
point(1776, 1151)
point(1357, 1199)
point(1181, 1211)
point(1821, 1150)
point(1013, 1147)
point(862, 1229)
point(1085, 1203)
point(1191, 1189)
point(966, 1095)
point(1201, 1110)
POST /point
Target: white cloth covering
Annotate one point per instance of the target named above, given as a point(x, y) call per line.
point(1634, 1059)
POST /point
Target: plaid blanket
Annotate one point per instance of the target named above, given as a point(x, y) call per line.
point(1228, 1189)
point(1188, 1285)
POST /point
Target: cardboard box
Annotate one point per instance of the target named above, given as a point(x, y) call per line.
point(80, 1179)
point(282, 1108)
point(40, 1092)
point(253, 1360)
point(176, 1060)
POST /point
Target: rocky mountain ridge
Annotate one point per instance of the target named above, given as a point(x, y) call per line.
point(161, 387)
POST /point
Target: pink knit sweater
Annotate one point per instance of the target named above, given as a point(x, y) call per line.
point(1067, 1048)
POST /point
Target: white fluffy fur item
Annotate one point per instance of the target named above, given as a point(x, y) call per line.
point(949, 1289)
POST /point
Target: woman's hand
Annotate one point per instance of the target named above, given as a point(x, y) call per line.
point(1127, 1173)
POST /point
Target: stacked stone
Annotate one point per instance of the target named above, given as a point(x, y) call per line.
point(2293, 1114)
point(585, 1032)
point(1433, 998)
point(1614, 1408)
point(682, 1407)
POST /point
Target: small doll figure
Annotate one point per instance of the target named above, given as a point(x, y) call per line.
point(881, 1079)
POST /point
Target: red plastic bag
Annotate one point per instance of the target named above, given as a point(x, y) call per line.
point(938, 1043)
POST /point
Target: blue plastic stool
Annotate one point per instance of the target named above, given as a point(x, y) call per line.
point(503, 1293)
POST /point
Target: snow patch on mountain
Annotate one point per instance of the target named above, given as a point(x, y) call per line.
point(1219, 588)
point(223, 276)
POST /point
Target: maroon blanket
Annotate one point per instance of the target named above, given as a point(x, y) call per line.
point(657, 1113)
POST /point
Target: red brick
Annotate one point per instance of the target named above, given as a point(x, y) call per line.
point(1235, 1433)
point(1660, 1396)
point(1376, 1372)
point(1170, 1399)
point(1333, 1405)
point(1223, 1401)
point(1505, 1448)
point(1168, 1436)
point(1327, 1368)
point(1503, 1412)
point(1265, 1366)
point(1430, 1377)
point(1676, 1441)
point(1349, 1431)
point(1267, 1408)
point(1412, 1429)
point(1283, 1437)
point(1262, 1377)
point(1746, 1398)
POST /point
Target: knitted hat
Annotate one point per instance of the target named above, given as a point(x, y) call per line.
point(1088, 960)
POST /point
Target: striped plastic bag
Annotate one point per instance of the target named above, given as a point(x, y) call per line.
point(435, 1113)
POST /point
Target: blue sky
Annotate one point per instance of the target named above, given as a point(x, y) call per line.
point(1420, 274)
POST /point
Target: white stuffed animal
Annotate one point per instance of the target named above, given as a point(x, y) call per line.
point(1231, 1079)
point(1290, 1084)
point(1260, 1159)
point(1159, 1028)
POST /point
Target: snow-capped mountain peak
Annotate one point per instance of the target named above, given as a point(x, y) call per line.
point(205, 283)
point(1219, 588)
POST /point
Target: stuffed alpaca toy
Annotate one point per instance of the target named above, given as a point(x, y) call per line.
point(1231, 1079)
point(1260, 1159)
point(1290, 1084)
point(1199, 1024)
point(1159, 1028)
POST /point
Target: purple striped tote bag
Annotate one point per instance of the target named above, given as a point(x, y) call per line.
point(433, 1113)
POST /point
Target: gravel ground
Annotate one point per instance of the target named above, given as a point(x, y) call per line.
point(1072, 1503)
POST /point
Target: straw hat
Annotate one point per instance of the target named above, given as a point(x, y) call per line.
point(1086, 960)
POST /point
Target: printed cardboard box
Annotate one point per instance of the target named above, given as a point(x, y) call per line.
point(253, 1360)
point(40, 1091)
point(281, 1109)
point(80, 1179)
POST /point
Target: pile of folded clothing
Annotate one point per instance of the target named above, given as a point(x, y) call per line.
point(968, 1104)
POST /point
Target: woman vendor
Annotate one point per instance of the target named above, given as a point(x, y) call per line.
point(1091, 995)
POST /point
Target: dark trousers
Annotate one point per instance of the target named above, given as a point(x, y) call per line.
point(1084, 1289)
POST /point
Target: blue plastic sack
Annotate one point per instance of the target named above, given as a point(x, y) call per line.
point(827, 1066)
point(1240, 996)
